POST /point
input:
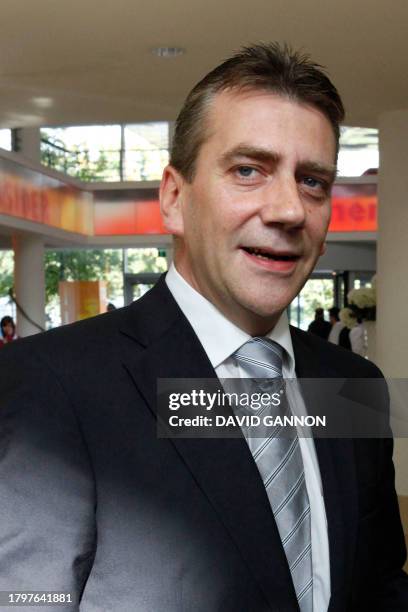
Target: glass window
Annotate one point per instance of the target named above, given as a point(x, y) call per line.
point(145, 260)
point(317, 293)
point(362, 279)
point(81, 265)
point(358, 151)
point(134, 152)
point(146, 151)
point(89, 153)
point(7, 306)
point(6, 141)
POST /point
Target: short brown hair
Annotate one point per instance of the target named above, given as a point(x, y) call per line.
point(272, 67)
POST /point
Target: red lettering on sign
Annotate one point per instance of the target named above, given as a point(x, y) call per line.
point(354, 214)
point(357, 212)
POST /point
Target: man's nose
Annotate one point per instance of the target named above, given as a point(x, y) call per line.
point(282, 203)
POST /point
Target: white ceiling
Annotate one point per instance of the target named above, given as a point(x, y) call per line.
point(89, 61)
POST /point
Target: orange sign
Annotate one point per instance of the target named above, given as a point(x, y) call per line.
point(41, 198)
point(354, 214)
point(350, 213)
point(81, 299)
point(127, 218)
point(36, 197)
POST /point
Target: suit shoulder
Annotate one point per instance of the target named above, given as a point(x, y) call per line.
point(335, 357)
point(93, 342)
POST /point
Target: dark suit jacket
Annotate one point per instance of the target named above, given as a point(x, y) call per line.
point(94, 503)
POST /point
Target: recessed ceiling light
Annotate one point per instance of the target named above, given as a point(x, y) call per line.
point(168, 51)
point(42, 101)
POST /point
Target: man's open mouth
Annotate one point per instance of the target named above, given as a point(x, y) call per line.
point(267, 254)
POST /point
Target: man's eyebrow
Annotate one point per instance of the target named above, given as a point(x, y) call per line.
point(257, 153)
point(327, 170)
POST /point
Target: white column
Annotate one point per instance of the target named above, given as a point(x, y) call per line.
point(29, 283)
point(29, 143)
point(392, 261)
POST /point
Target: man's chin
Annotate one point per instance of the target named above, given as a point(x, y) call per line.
point(263, 312)
point(268, 305)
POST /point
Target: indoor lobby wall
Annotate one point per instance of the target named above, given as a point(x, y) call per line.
point(392, 277)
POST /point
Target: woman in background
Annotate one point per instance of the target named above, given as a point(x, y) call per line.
point(8, 330)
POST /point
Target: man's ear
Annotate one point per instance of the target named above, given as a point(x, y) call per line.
point(171, 199)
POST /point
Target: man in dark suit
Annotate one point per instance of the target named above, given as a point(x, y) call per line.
point(95, 504)
point(319, 326)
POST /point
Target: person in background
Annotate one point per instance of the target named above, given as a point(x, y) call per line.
point(336, 324)
point(320, 327)
point(110, 307)
point(8, 330)
point(344, 338)
point(358, 339)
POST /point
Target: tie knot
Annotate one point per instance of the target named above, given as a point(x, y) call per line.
point(260, 357)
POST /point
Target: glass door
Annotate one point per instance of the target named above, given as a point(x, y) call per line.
point(318, 292)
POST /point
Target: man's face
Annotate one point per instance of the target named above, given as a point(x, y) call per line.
point(253, 221)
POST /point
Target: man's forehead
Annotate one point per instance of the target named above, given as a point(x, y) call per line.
point(246, 97)
point(225, 104)
point(234, 112)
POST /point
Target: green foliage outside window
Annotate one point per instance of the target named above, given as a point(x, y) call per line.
point(317, 293)
point(78, 162)
point(6, 272)
point(85, 264)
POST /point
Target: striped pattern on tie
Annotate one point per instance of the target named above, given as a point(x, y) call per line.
point(279, 461)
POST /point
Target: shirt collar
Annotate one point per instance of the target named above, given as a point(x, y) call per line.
point(210, 324)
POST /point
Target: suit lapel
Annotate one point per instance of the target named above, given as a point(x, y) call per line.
point(337, 469)
point(223, 468)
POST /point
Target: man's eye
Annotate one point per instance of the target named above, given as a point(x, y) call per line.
point(309, 181)
point(246, 171)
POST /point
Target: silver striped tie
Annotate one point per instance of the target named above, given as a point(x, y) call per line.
point(279, 461)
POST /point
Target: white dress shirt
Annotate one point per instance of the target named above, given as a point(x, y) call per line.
point(358, 340)
point(210, 325)
point(335, 332)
